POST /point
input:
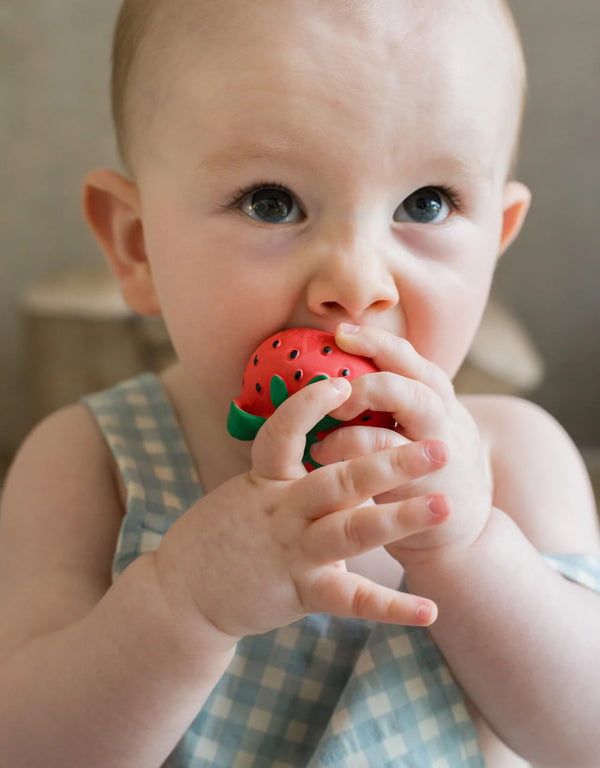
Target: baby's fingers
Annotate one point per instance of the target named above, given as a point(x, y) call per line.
point(350, 442)
point(345, 534)
point(350, 483)
point(279, 446)
point(349, 595)
point(393, 353)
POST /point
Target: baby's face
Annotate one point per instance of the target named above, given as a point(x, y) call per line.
point(309, 164)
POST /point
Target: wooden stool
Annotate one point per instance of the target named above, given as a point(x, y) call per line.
point(80, 337)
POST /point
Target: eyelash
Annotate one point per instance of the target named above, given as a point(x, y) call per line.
point(243, 192)
point(449, 192)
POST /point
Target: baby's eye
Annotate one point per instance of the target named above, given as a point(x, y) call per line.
point(427, 205)
point(271, 205)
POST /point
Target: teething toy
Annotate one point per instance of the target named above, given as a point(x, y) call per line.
point(284, 364)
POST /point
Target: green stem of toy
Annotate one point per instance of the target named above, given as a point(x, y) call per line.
point(278, 391)
point(243, 425)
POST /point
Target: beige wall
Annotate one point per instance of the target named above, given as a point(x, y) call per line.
point(54, 125)
point(551, 276)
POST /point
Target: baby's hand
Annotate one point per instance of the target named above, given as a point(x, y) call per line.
point(268, 547)
point(421, 398)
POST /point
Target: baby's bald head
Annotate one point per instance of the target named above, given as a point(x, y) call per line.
point(147, 31)
point(135, 60)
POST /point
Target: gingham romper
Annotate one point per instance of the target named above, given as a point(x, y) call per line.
point(323, 691)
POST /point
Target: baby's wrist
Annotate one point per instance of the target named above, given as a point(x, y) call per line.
point(449, 551)
point(198, 635)
point(461, 557)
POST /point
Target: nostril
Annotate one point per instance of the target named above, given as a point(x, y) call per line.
point(381, 305)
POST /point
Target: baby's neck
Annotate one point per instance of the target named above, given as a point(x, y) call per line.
point(216, 456)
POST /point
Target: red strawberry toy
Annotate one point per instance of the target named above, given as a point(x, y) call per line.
point(285, 363)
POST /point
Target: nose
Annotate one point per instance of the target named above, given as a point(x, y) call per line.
point(352, 280)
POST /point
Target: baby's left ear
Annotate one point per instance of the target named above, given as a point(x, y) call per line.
point(515, 202)
point(111, 206)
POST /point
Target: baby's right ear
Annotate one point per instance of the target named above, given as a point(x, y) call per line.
point(111, 207)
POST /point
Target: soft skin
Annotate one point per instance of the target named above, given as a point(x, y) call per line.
point(351, 112)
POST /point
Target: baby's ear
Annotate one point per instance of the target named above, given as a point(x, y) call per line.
point(516, 202)
point(111, 207)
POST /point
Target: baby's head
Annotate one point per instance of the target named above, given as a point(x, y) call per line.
point(149, 34)
point(300, 163)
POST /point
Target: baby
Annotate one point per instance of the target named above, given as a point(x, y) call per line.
point(171, 596)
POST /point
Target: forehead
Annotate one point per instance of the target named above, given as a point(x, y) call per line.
point(431, 65)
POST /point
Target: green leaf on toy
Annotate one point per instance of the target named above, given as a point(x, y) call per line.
point(320, 377)
point(278, 391)
point(243, 425)
point(327, 422)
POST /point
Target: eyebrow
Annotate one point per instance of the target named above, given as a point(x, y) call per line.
point(235, 155)
point(460, 166)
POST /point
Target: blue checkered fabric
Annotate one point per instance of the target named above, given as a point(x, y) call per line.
point(323, 691)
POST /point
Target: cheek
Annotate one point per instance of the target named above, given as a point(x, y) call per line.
point(216, 313)
point(442, 316)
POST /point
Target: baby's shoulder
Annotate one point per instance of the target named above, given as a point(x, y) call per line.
point(538, 475)
point(503, 417)
point(68, 437)
point(59, 522)
point(63, 467)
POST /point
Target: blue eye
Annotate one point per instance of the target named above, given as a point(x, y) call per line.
point(271, 205)
point(425, 206)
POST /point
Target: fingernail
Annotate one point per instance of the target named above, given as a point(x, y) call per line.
point(427, 613)
point(437, 451)
point(349, 328)
point(438, 506)
point(342, 385)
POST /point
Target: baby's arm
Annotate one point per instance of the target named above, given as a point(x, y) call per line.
point(521, 639)
point(533, 634)
point(102, 674)
point(90, 674)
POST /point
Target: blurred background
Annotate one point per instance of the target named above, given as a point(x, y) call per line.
point(63, 327)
